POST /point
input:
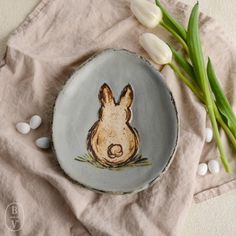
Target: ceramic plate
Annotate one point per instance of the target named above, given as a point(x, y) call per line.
point(115, 124)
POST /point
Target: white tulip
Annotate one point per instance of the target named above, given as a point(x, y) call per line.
point(157, 49)
point(147, 13)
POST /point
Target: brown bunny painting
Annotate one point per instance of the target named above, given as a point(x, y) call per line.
point(111, 140)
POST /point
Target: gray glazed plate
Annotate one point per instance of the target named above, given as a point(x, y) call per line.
point(115, 124)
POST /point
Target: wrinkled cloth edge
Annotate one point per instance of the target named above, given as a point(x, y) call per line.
point(34, 15)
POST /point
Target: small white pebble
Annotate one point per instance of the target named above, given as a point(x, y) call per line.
point(35, 122)
point(214, 166)
point(43, 142)
point(209, 135)
point(202, 169)
point(23, 127)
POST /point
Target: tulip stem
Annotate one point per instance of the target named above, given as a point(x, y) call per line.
point(197, 59)
point(190, 84)
point(215, 113)
point(225, 127)
point(195, 89)
point(175, 35)
point(218, 138)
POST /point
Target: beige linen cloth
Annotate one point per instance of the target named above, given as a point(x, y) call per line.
point(42, 53)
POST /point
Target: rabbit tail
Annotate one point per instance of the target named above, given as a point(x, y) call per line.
point(115, 150)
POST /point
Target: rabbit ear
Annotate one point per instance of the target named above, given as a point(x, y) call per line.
point(126, 97)
point(105, 95)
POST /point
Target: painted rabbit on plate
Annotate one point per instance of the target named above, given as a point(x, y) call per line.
point(111, 140)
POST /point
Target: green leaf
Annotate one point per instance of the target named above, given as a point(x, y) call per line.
point(171, 22)
point(221, 100)
point(186, 66)
point(195, 49)
point(197, 59)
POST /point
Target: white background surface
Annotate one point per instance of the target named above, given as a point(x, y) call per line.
point(215, 217)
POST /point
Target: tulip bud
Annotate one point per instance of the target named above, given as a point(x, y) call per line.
point(147, 13)
point(157, 49)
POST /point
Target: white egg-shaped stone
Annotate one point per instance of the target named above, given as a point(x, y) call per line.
point(214, 166)
point(202, 169)
point(209, 135)
point(23, 127)
point(43, 142)
point(35, 121)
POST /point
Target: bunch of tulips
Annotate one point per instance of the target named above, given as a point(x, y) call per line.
point(189, 66)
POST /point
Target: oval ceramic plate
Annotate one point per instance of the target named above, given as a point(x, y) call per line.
point(115, 124)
